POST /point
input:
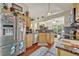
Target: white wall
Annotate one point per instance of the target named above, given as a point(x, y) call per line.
point(49, 23)
point(34, 10)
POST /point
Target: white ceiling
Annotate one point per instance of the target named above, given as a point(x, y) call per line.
point(41, 9)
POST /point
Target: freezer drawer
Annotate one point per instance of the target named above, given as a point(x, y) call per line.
point(8, 50)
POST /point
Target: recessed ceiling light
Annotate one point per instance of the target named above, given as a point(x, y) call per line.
point(42, 17)
point(49, 13)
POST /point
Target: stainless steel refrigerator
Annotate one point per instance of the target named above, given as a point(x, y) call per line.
point(12, 33)
point(21, 32)
point(7, 34)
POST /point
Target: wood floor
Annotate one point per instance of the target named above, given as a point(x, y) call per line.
point(31, 49)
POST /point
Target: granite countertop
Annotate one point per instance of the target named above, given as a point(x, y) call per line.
point(70, 49)
point(45, 31)
point(28, 32)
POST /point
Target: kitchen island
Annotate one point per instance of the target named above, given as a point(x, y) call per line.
point(46, 37)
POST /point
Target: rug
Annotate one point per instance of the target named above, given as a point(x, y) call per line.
point(40, 52)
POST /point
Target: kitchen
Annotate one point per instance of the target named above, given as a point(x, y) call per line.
point(39, 29)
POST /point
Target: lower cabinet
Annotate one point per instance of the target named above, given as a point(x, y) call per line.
point(64, 53)
point(42, 37)
point(29, 40)
point(46, 37)
point(77, 35)
point(50, 38)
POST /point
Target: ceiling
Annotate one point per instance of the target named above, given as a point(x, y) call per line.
point(41, 9)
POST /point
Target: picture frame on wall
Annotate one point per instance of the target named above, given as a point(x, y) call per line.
point(17, 7)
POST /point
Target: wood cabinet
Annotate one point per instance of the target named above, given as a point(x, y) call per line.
point(77, 11)
point(61, 52)
point(77, 7)
point(28, 22)
point(29, 40)
point(46, 37)
point(77, 35)
point(42, 37)
point(50, 38)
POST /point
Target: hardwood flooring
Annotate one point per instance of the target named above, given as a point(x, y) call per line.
point(30, 50)
point(33, 48)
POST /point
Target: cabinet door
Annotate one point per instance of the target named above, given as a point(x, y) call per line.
point(77, 35)
point(42, 37)
point(65, 53)
point(28, 22)
point(77, 12)
point(29, 40)
point(50, 38)
point(77, 7)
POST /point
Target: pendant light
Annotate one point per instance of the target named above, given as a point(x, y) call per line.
point(49, 10)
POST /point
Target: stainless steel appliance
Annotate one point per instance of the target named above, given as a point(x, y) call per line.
point(12, 34)
point(7, 34)
point(21, 31)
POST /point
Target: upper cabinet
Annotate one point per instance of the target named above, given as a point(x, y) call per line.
point(77, 11)
point(77, 7)
point(28, 22)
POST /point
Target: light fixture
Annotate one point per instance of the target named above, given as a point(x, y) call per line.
point(54, 22)
point(49, 10)
point(49, 13)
